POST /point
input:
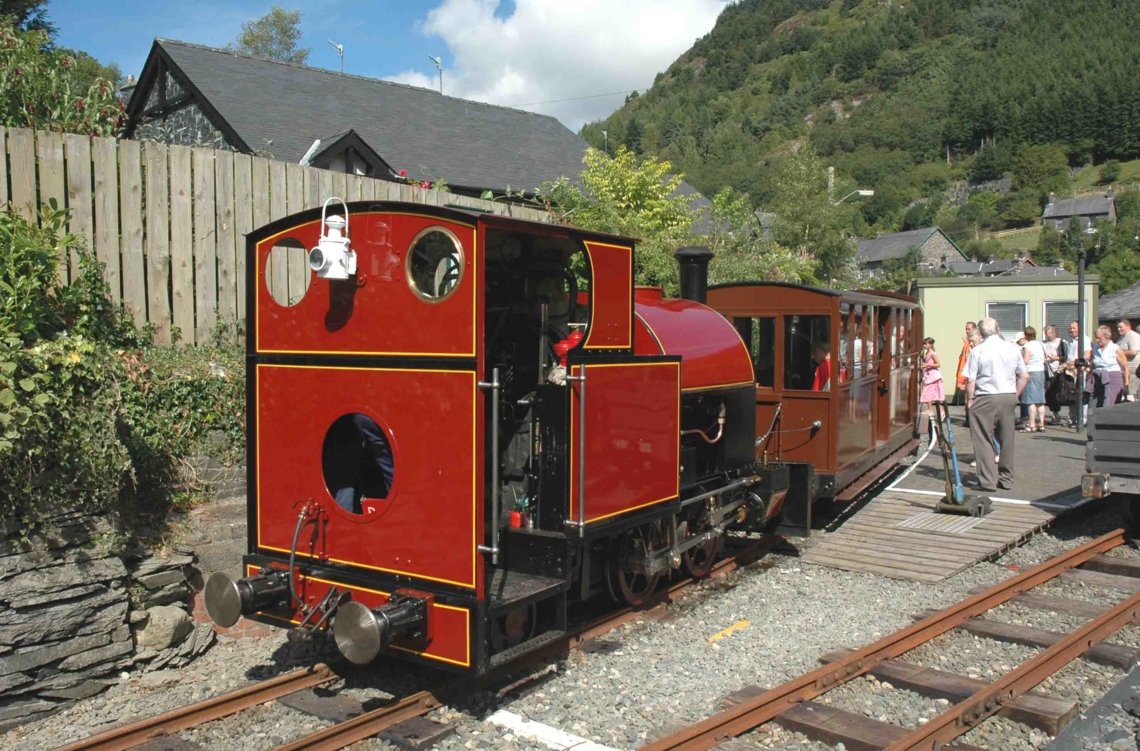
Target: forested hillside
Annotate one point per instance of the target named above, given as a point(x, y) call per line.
point(900, 96)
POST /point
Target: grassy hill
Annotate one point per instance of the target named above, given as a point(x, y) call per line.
point(900, 96)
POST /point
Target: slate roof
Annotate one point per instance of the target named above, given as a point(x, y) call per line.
point(1124, 304)
point(1089, 205)
point(893, 246)
point(281, 108)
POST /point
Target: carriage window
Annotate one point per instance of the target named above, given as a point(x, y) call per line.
point(807, 353)
point(760, 334)
point(435, 264)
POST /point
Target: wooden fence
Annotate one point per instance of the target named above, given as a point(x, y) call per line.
point(169, 222)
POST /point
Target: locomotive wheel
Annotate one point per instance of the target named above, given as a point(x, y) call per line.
point(698, 561)
point(626, 582)
point(512, 628)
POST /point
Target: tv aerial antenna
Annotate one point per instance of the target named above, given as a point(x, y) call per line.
point(339, 51)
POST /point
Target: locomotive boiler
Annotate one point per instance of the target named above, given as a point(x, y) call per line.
point(462, 424)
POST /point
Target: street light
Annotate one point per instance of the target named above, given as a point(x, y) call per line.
point(862, 193)
point(1081, 256)
point(439, 67)
point(340, 53)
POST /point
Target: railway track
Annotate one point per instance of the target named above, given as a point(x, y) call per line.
point(791, 703)
point(378, 720)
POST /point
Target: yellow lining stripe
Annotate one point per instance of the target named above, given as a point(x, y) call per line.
point(474, 293)
point(573, 501)
point(652, 333)
point(382, 593)
point(474, 466)
point(594, 292)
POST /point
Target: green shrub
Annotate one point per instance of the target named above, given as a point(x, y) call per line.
point(1110, 172)
point(92, 418)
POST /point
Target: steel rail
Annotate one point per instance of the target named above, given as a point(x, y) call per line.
point(747, 715)
point(988, 700)
point(366, 725)
point(374, 722)
point(129, 736)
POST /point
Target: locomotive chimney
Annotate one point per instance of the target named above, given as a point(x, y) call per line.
point(694, 263)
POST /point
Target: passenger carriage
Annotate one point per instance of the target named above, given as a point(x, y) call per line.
point(853, 427)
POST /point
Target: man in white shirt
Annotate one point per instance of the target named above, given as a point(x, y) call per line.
point(1129, 343)
point(1070, 353)
point(995, 377)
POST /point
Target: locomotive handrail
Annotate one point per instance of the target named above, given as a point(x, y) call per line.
point(581, 448)
point(494, 386)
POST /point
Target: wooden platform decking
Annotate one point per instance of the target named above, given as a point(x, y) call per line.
point(898, 534)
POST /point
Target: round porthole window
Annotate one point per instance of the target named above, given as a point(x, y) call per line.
point(357, 463)
point(287, 273)
point(435, 264)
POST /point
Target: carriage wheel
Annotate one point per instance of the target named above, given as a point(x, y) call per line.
point(627, 583)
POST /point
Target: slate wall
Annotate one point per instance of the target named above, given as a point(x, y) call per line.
point(69, 614)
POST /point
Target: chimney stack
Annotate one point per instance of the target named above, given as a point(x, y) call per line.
point(694, 263)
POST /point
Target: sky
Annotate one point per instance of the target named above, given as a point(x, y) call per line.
point(573, 59)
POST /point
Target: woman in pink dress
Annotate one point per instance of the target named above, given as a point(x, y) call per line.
point(931, 377)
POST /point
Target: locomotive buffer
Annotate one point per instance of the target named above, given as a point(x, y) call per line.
point(955, 501)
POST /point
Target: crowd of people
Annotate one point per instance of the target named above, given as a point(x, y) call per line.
point(1009, 388)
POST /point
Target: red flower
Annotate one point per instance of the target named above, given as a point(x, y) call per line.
point(425, 184)
point(403, 173)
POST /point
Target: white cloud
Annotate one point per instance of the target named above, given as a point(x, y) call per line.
point(561, 50)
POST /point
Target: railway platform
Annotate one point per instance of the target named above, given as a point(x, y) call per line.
point(897, 532)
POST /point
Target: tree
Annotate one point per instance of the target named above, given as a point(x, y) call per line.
point(27, 15)
point(40, 88)
point(808, 221)
point(1117, 270)
point(273, 36)
point(625, 196)
point(743, 252)
point(1048, 251)
point(1040, 168)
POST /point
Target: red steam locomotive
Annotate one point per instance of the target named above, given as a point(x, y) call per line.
point(459, 424)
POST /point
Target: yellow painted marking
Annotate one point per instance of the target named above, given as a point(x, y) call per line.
point(593, 294)
point(466, 623)
point(269, 241)
point(573, 454)
point(738, 626)
point(474, 468)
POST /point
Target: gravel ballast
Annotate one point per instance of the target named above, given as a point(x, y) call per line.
point(758, 626)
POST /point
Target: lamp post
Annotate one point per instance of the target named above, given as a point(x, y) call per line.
point(340, 53)
point(439, 67)
point(1081, 364)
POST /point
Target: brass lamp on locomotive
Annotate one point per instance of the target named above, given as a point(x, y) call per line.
point(460, 424)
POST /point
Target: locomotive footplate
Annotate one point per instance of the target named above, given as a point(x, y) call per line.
point(513, 589)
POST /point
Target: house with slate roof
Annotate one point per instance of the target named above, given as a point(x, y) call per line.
point(1087, 209)
point(936, 250)
point(1023, 266)
point(1123, 304)
point(193, 95)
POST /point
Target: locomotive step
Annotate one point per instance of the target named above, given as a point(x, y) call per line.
point(530, 645)
point(511, 589)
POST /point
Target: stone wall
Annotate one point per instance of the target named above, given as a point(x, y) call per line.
point(72, 617)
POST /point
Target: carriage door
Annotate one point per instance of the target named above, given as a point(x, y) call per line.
point(885, 353)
